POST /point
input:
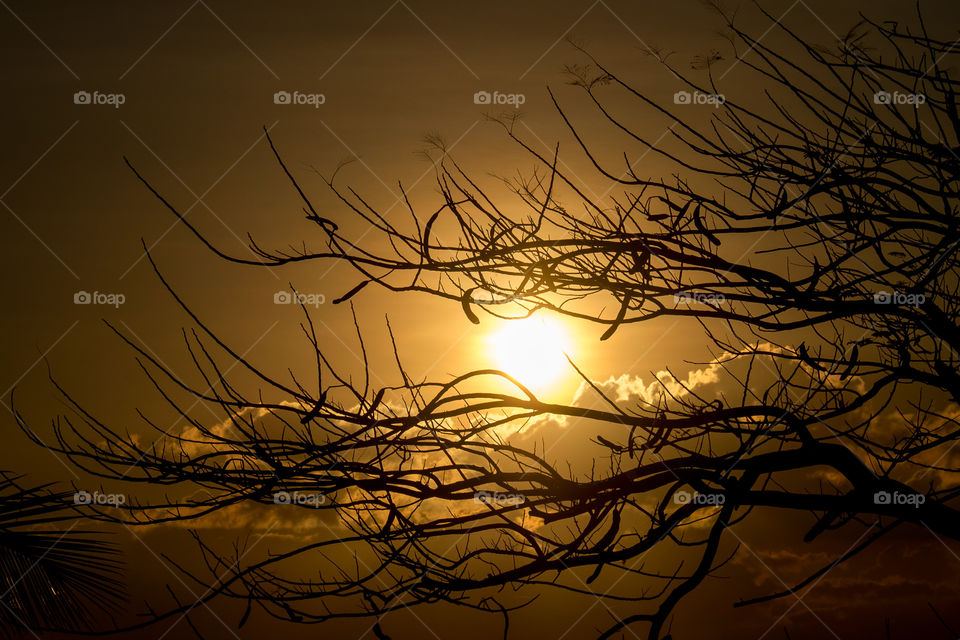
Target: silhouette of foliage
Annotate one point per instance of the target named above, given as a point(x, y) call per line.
point(52, 578)
point(810, 235)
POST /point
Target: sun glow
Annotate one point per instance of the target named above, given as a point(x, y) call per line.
point(532, 351)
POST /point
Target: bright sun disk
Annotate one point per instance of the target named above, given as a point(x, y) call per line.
point(531, 350)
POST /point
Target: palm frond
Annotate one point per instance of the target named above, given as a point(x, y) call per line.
point(51, 578)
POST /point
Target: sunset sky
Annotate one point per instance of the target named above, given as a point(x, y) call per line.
point(197, 82)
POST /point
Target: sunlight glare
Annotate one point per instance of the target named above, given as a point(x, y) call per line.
point(532, 351)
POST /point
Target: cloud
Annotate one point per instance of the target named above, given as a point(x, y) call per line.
point(632, 389)
point(567, 441)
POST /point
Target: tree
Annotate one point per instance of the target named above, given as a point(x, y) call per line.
point(813, 238)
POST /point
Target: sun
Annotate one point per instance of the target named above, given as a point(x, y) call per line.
point(531, 350)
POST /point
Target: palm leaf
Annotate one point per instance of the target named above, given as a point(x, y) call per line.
point(51, 578)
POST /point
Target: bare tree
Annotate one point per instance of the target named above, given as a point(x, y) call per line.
point(812, 235)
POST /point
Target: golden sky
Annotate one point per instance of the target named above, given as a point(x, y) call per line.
point(198, 84)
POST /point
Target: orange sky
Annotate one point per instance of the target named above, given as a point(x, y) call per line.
point(198, 82)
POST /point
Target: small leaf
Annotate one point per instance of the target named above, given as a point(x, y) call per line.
point(620, 316)
point(854, 356)
point(376, 402)
point(328, 225)
point(351, 293)
point(426, 236)
point(610, 445)
point(702, 228)
point(465, 301)
point(246, 613)
point(641, 260)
